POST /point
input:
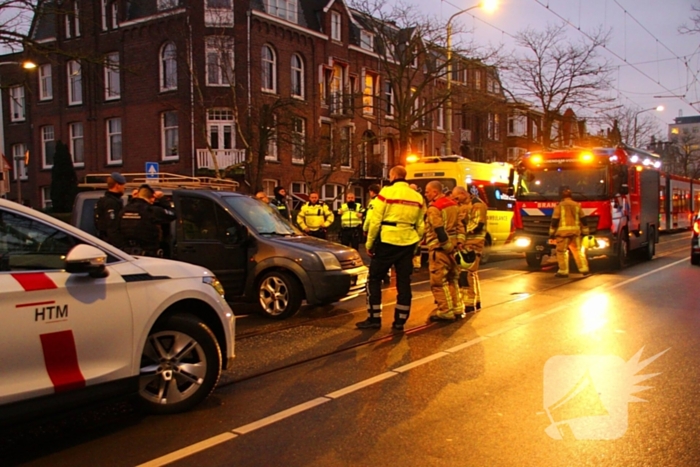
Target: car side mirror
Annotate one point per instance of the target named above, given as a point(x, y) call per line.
point(86, 259)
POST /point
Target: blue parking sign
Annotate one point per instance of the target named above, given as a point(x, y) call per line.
point(152, 170)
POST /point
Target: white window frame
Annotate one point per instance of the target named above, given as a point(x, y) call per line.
point(114, 137)
point(298, 139)
point(112, 77)
point(285, 9)
point(303, 187)
point(76, 18)
point(297, 77)
point(367, 40)
point(223, 122)
point(168, 67)
point(166, 4)
point(75, 82)
point(45, 82)
point(68, 25)
point(103, 14)
point(272, 153)
point(440, 118)
point(389, 100)
point(46, 197)
point(76, 133)
point(48, 140)
point(268, 68)
point(17, 104)
point(336, 200)
point(345, 136)
point(115, 15)
point(269, 185)
point(18, 152)
point(169, 133)
point(517, 125)
point(336, 26)
point(219, 61)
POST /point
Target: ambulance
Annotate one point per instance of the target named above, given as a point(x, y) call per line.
point(83, 322)
point(495, 182)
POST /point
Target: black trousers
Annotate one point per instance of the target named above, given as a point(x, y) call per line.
point(386, 256)
point(320, 233)
point(351, 237)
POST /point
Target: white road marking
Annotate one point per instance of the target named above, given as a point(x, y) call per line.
point(508, 326)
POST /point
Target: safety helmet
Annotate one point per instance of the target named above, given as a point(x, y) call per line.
point(589, 242)
point(465, 259)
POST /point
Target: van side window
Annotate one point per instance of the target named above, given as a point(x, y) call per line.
point(29, 245)
point(228, 230)
point(198, 219)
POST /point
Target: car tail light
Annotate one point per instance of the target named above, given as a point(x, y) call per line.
point(696, 227)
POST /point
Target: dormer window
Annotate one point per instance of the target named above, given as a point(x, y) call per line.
point(335, 26)
point(366, 40)
point(285, 9)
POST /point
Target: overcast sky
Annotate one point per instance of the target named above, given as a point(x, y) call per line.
point(644, 34)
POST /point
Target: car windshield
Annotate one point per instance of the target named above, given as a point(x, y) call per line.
point(263, 218)
point(585, 184)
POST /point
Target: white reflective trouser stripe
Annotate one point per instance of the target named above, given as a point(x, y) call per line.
point(400, 308)
point(375, 311)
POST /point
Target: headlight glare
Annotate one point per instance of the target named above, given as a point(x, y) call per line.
point(329, 260)
point(214, 282)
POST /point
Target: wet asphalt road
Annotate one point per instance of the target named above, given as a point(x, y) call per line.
point(546, 374)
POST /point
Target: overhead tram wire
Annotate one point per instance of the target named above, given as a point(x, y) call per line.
point(615, 54)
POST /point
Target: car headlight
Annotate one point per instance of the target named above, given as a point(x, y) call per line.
point(329, 260)
point(522, 242)
point(214, 282)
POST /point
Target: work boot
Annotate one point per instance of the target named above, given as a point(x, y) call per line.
point(585, 273)
point(442, 317)
point(369, 323)
point(397, 326)
point(471, 308)
point(559, 274)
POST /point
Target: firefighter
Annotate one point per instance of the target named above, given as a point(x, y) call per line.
point(280, 202)
point(417, 254)
point(568, 224)
point(141, 219)
point(315, 217)
point(108, 208)
point(444, 231)
point(350, 221)
point(475, 239)
point(395, 227)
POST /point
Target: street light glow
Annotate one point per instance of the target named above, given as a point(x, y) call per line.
point(660, 108)
point(489, 6)
point(28, 65)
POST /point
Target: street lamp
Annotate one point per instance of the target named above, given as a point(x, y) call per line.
point(657, 108)
point(488, 6)
point(27, 65)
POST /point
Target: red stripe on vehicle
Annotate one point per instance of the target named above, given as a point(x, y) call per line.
point(400, 201)
point(61, 360)
point(22, 305)
point(32, 281)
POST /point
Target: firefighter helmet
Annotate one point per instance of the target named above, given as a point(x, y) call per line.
point(465, 259)
point(589, 242)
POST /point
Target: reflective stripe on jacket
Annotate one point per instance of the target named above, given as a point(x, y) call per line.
point(443, 213)
point(314, 216)
point(478, 214)
point(350, 218)
point(571, 220)
point(397, 213)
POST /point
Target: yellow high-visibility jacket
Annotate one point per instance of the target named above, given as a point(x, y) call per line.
point(370, 208)
point(350, 218)
point(315, 216)
point(397, 213)
point(568, 220)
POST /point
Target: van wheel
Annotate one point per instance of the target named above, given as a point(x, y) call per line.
point(534, 260)
point(180, 365)
point(279, 295)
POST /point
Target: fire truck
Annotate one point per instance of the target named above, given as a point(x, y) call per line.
point(618, 189)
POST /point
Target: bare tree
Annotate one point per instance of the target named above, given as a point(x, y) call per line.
point(15, 21)
point(327, 152)
point(694, 26)
point(685, 154)
point(557, 73)
point(645, 129)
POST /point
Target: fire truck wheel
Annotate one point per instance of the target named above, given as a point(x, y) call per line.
point(620, 260)
point(651, 246)
point(534, 260)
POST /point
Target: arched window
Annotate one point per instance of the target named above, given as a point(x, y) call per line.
point(297, 76)
point(269, 69)
point(168, 67)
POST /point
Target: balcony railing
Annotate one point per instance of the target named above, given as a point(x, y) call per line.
point(224, 158)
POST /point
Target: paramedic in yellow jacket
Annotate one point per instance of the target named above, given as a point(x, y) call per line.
point(475, 239)
point(568, 224)
point(315, 217)
point(444, 231)
point(395, 227)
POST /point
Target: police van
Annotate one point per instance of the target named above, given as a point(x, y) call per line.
point(495, 182)
point(257, 255)
point(83, 321)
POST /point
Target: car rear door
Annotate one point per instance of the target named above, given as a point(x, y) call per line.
point(208, 235)
point(60, 331)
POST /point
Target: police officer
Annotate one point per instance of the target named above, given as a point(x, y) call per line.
point(107, 210)
point(350, 221)
point(141, 219)
point(395, 227)
point(567, 226)
point(444, 232)
point(315, 217)
point(373, 190)
point(475, 227)
point(280, 202)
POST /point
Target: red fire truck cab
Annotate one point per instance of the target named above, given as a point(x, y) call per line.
point(618, 189)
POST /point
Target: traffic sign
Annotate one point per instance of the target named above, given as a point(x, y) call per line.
point(152, 170)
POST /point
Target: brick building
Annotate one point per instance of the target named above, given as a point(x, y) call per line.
point(283, 92)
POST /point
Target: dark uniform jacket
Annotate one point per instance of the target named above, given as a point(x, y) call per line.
point(107, 212)
point(140, 222)
point(282, 208)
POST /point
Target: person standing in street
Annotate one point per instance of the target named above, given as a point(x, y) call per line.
point(419, 252)
point(395, 227)
point(475, 226)
point(350, 222)
point(444, 233)
point(141, 219)
point(373, 190)
point(315, 217)
point(280, 202)
point(567, 226)
point(108, 208)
